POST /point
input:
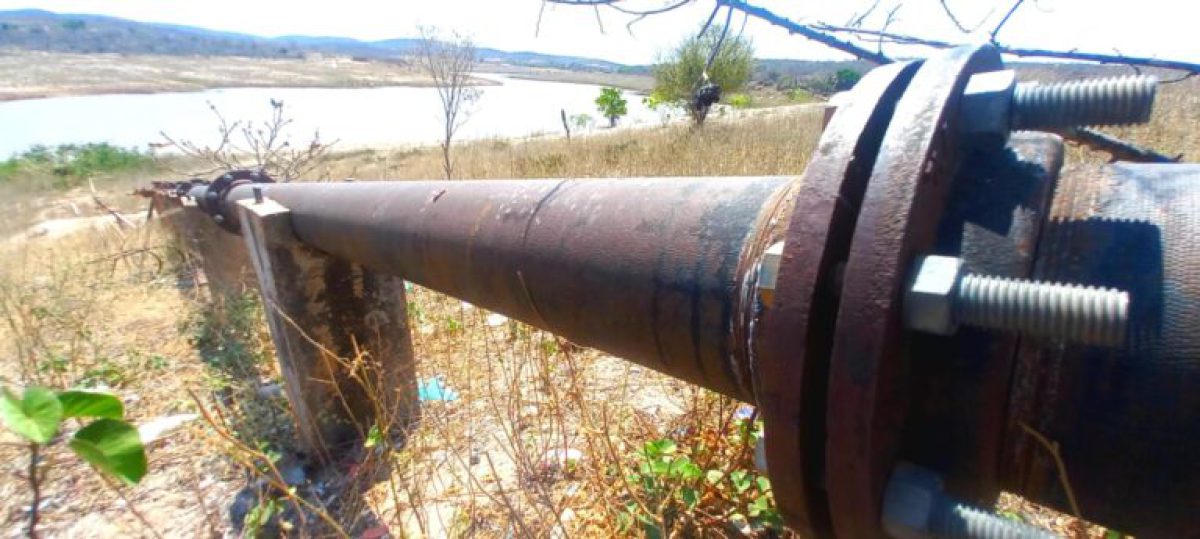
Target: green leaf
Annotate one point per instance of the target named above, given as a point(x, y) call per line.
point(688, 470)
point(90, 404)
point(373, 437)
point(714, 476)
point(690, 497)
point(764, 484)
point(35, 416)
point(113, 447)
point(740, 480)
point(760, 505)
point(658, 448)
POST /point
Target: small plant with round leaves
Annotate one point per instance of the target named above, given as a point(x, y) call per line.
point(108, 443)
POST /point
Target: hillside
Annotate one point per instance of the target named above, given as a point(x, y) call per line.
point(38, 30)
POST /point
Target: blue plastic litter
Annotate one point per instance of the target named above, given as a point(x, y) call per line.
point(433, 389)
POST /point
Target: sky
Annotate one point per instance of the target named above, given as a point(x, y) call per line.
point(1158, 28)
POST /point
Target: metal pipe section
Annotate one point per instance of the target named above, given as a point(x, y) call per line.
point(657, 271)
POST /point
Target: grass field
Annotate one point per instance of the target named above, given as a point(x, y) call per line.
point(544, 439)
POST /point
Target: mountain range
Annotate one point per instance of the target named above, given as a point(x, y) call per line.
point(40, 30)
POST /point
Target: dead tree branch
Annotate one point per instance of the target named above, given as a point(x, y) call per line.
point(1120, 150)
point(264, 146)
point(450, 64)
point(828, 35)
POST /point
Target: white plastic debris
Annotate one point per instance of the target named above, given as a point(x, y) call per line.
point(157, 428)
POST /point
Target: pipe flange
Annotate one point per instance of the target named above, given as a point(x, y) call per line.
point(795, 338)
point(901, 209)
point(213, 199)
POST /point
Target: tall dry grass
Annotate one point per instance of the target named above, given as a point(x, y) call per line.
point(764, 142)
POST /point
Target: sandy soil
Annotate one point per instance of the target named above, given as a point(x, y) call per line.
point(32, 75)
point(36, 74)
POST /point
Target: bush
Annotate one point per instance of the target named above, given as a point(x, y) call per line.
point(681, 72)
point(72, 164)
point(739, 101)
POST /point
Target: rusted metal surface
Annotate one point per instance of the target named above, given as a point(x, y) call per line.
point(1126, 422)
point(899, 218)
point(795, 333)
point(959, 384)
point(652, 270)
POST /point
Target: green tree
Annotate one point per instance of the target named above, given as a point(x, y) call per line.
point(681, 72)
point(612, 105)
point(845, 79)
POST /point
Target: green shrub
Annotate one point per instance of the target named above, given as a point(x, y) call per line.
point(739, 101)
point(70, 165)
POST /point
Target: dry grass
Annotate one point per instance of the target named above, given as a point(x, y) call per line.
point(94, 307)
point(776, 141)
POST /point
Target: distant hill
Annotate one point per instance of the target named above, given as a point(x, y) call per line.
point(34, 29)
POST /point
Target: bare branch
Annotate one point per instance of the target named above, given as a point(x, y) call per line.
point(806, 31)
point(1004, 21)
point(599, 22)
point(826, 35)
point(857, 20)
point(708, 23)
point(958, 23)
point(537, 28)
point(267, 147)
point(1121, 150)
point(450, 64)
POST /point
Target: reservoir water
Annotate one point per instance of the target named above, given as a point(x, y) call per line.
point(355, 117)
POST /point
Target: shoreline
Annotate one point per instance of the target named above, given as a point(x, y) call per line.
point(52, 75)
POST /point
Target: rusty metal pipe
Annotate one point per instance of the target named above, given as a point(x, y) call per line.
point(657, 271)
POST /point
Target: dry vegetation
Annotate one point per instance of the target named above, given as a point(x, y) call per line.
point(32, 74)
point(544, 439)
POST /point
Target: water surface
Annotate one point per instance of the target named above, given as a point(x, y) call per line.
point(354, 117)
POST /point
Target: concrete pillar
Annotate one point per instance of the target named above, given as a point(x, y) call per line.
point(219, 253)
point(340, 332)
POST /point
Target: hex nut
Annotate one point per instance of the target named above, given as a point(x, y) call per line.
point(986, 107)
point(929, 301)
point(910, 502)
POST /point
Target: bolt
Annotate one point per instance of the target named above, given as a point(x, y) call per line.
point(768, 272)
point(258, 196)
point(915, 506)
point(986, 107)
point(1113, 101)
point(944, 295)
point(993, 104)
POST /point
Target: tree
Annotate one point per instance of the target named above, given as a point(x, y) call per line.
point(845, 79)
point(612, 105)
point(725, 61)
point(449, 62)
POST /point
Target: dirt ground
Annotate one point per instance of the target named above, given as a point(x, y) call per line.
point(30, 75)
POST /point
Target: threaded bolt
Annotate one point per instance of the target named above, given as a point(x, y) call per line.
point(944, 295)
point(1064, 311)
point(961, 521)
point(916, 506)
point(1112, 101)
